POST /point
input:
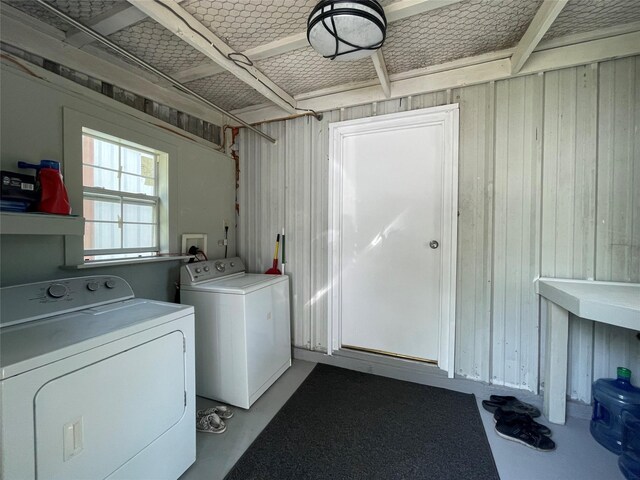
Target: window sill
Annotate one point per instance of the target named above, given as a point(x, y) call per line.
point(128, 261)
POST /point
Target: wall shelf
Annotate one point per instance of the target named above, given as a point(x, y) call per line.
point(13, 223)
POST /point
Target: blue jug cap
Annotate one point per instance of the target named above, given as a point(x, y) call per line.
point(50, 164)
point(624, 373)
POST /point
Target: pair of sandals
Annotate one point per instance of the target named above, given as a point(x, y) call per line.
point(211, 420)
point(514, 421)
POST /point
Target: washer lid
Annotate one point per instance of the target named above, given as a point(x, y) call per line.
point(30, 345)
point(239, 284)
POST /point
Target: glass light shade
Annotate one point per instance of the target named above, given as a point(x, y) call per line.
point(343, 30)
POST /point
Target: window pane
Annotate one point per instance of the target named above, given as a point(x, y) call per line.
point(101, 210)
point(134, 212)
point(97, 177)
point(123, 170)
point(138, 163)
point(105, 154)
point(101, 235)
point(139, 235)
point(133, 184)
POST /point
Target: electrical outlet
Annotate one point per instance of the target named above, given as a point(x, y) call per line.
point(225, 223)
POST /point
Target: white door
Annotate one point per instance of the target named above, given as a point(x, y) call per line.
point(393, 225)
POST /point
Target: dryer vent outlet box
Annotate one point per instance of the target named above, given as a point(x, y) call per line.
point(198, 240)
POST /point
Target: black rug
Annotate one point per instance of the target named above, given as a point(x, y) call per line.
point(342, 424)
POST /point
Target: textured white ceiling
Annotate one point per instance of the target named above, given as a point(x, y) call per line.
point(82, 10)
point(158, 46)
point(464, 29)
point(245, 24)
point(580, 16)
point(226, 91)
point(461, 30)
point(304, 70)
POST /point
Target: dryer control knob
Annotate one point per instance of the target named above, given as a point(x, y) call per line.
point(110, 283)
point(220, 266)
point(232, 264)
point(198, 270)
point(57, 290)
point(206, 269)
point(93, 286)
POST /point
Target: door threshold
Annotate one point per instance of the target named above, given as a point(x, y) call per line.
point(389, 354)
point(384, 361)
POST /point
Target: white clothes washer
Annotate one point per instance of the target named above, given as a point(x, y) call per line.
point(243, 331)
point(94, 383)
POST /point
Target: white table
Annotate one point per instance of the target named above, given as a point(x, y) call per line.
point(612, 303)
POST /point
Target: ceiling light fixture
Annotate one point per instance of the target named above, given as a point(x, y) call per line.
point(346, 30)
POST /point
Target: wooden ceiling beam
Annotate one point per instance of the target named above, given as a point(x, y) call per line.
point(396, 11)
point(462, 73)
point(26, 33)
point(407, 8)
point(381, 70)
point(113, 20)
point(543, 19)
point(180, 22)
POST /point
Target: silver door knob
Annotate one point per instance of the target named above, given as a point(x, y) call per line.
point(433, 244)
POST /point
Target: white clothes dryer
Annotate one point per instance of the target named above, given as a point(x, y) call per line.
point(94, 383)
point(243, 330)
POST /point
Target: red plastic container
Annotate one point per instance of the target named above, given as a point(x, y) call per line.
point(53, 194)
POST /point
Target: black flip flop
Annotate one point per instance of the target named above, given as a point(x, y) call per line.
point(512, 417)
point(521, 434)
point(510, 404)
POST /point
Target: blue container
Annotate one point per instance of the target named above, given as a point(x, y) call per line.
point(611, 397)
point(629, 461)
point(43, 164)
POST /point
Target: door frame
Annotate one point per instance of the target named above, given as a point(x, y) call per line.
point(447, 116)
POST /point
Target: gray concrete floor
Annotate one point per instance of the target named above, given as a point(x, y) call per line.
point(577, 456)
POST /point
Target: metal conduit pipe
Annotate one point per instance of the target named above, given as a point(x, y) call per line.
point(104, 40)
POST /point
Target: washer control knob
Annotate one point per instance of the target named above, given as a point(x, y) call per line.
point(220, 266)
point(110, 283)
point(93, 286)
point(206, 269)
point(57, 290)
point(232, 264)
point(198, 270)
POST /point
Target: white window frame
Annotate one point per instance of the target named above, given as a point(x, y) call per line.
point(125, 198)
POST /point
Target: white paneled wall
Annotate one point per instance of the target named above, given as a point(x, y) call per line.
point(549, 184)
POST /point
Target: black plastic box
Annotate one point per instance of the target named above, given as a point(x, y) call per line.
point(18, 186)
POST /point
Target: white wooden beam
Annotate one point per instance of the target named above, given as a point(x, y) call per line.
point(406, 84)
point(113, 20)
point(407, 8)
point(541, 22)
point(300, 40)
point(394, 12)
point(381, 70)
point(588, 36)
point(29, 37)
point(119, 17)
point(177, 20)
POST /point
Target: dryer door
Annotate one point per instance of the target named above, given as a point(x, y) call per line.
point(91, 421)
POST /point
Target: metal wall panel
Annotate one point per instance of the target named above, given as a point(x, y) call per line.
point(518, 141)
point(475, 231)
point(549, 182)
point(618, 204)
point(569, 200)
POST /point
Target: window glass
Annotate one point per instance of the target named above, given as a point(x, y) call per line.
point(121, 203)
point(135, 184)
point(139, 213)
point(102, 210)
point(138, 235)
